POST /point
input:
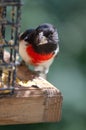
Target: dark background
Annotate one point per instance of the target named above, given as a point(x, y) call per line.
point(68, 72)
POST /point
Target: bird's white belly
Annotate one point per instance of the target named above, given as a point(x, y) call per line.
point(23, 53)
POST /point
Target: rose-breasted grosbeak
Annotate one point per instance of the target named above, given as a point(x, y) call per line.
point(38, 47)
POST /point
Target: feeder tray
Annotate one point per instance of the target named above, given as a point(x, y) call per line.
point(39, 102)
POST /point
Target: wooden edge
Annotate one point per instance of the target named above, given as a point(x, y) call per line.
point(41, 102)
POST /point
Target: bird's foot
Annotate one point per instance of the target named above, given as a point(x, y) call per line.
point(22, 63)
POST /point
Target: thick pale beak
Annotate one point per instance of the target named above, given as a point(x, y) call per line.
point(42, 39)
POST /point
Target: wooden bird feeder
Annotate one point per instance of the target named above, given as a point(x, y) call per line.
point(20, 102)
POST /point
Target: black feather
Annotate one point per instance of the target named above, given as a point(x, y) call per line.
point(25, 36)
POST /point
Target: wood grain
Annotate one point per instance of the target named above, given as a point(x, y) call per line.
point(31, 104)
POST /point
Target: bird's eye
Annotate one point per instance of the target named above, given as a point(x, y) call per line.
point(50, 35)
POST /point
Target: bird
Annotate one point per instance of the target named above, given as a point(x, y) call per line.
point(39, 46)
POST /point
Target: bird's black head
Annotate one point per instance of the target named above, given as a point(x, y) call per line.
point(44, 38)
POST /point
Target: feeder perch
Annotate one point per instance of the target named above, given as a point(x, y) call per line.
point(34, 100)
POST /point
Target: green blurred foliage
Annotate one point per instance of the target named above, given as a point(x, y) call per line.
point(68, 72)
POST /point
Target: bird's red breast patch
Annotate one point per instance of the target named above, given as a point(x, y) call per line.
point(36, 57)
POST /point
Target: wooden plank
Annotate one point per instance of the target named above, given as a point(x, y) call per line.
point(31, 104)
point(21, 110)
